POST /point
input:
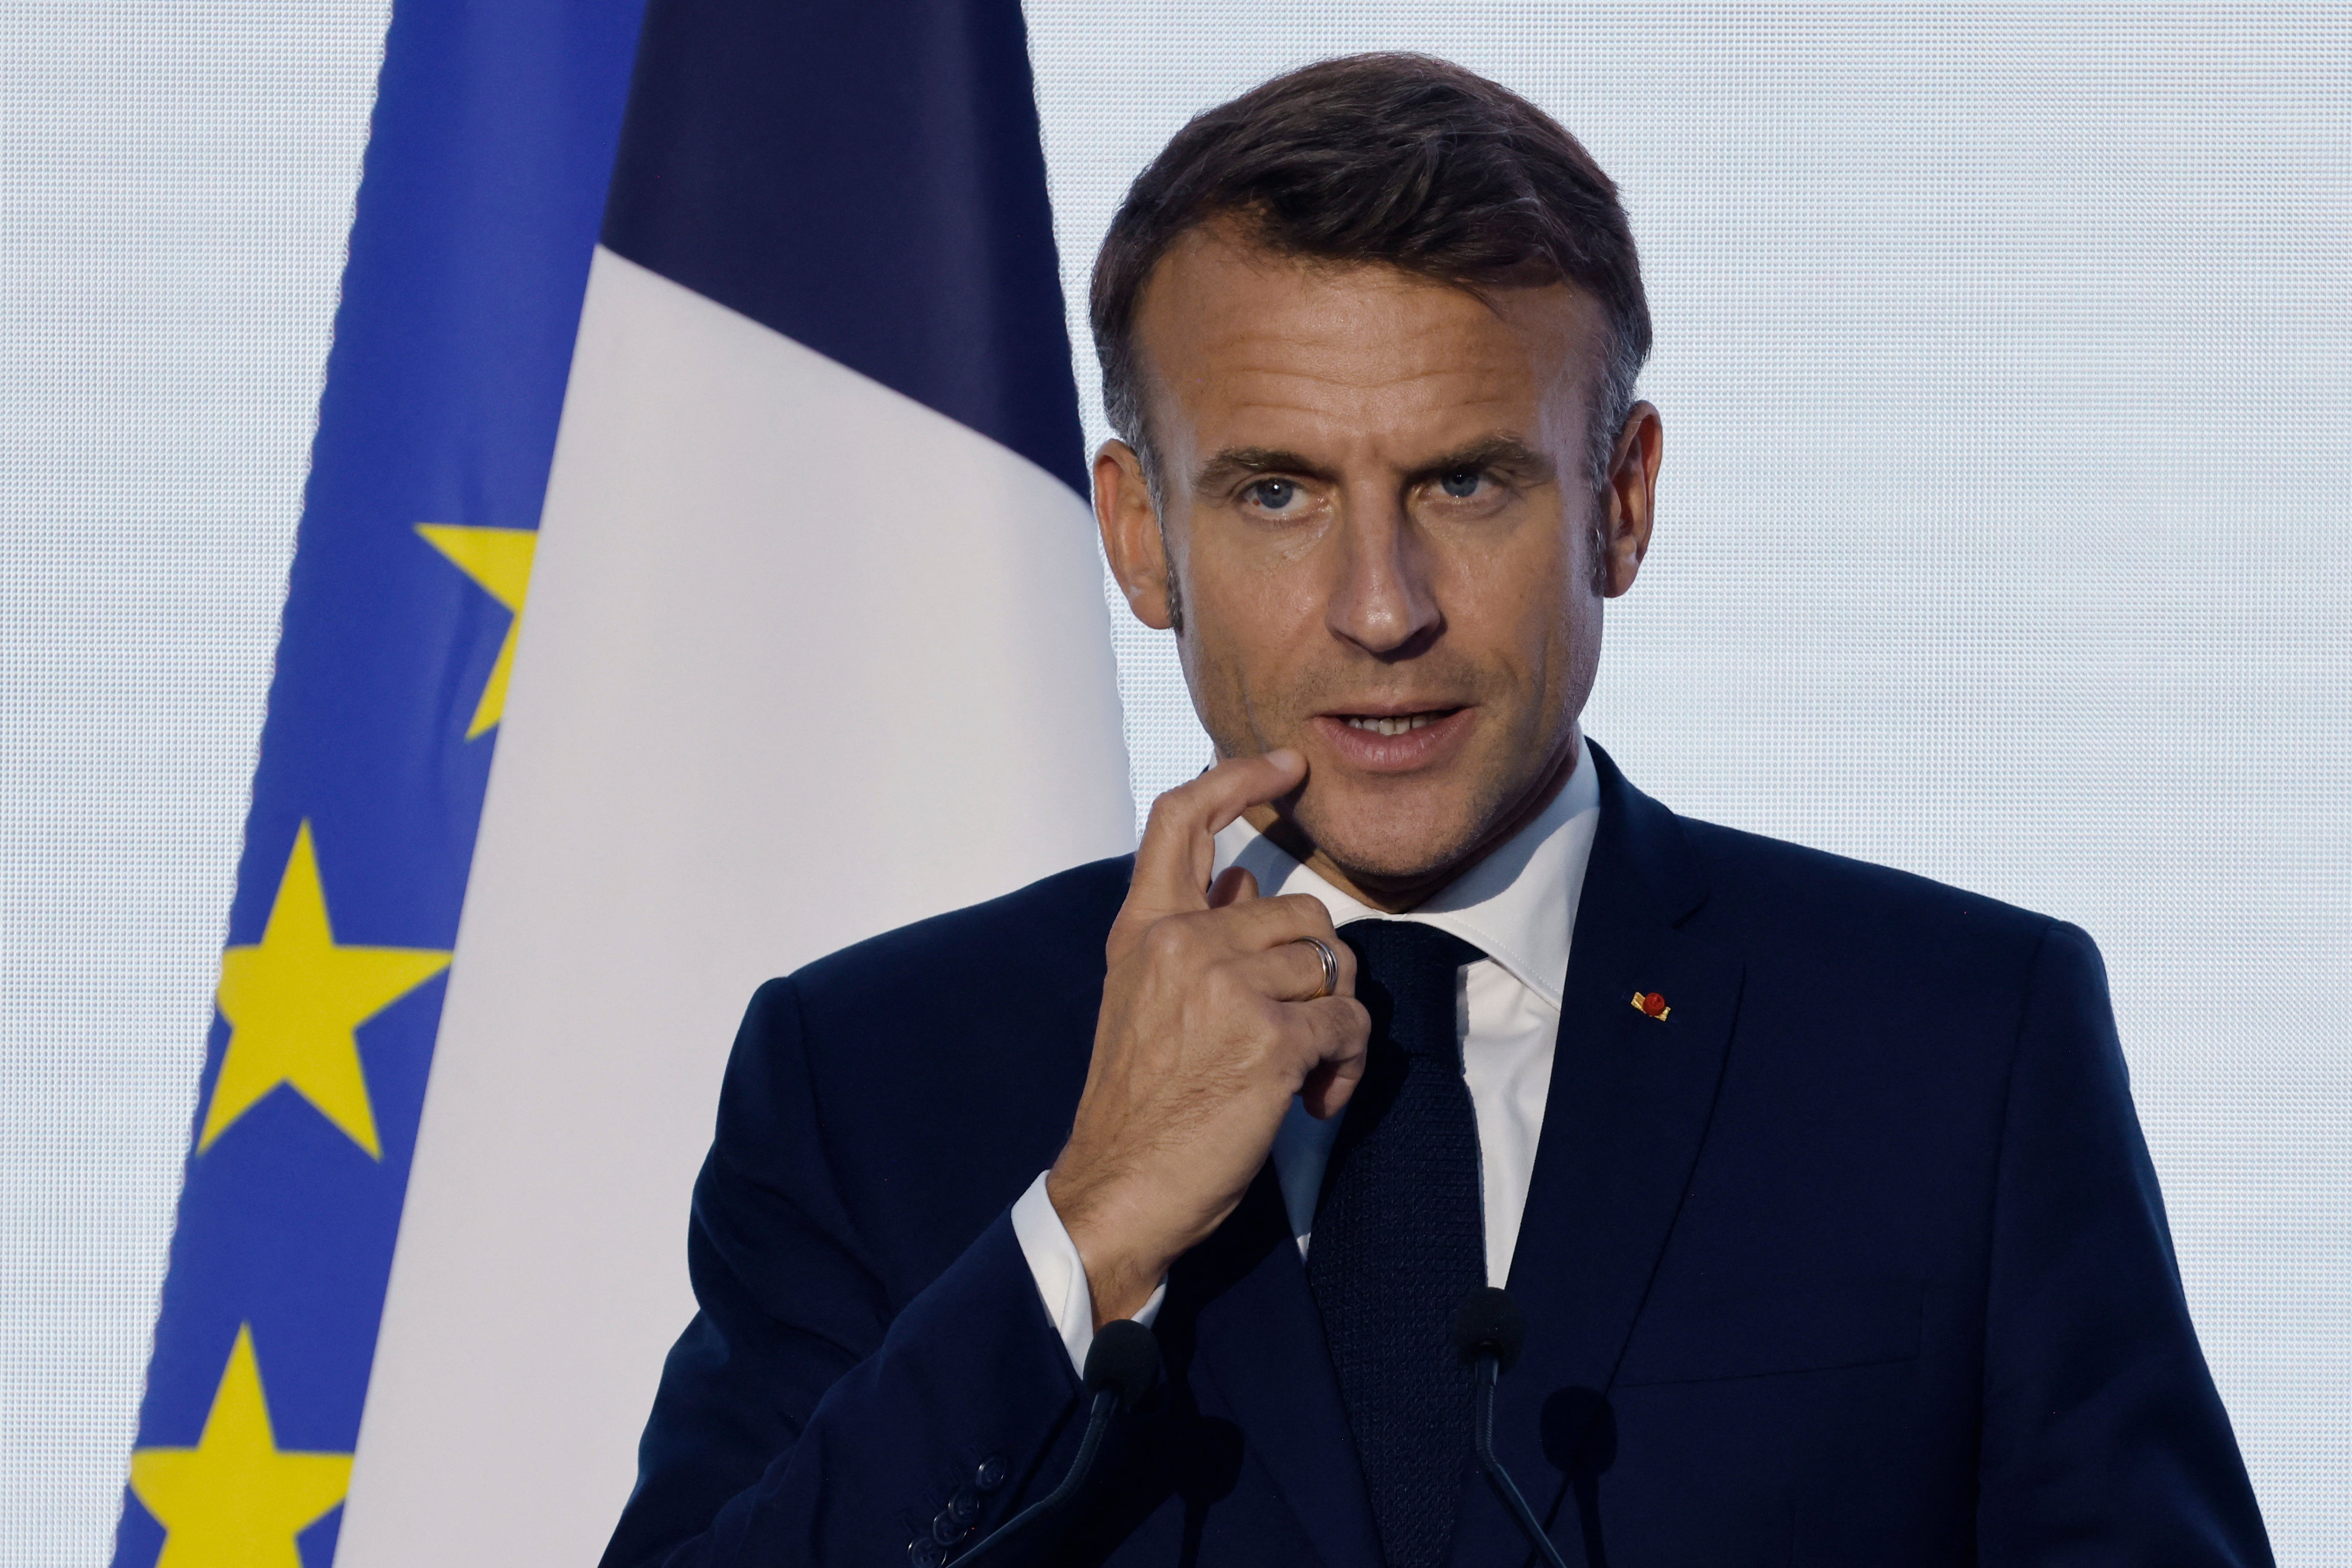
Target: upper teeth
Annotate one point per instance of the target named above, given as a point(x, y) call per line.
point(1396, 726)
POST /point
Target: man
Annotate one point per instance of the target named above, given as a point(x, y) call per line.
point(1819, 1185)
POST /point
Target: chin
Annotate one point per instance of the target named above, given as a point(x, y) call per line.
point(1375, 840)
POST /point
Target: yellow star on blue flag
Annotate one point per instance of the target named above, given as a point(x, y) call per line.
point(498, 561)
point(237, 1500)
point(293, 1001)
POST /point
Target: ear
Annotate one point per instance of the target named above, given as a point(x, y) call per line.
point(1131, 539)
point(1631, 498)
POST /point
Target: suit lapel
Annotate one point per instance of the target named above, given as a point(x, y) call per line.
point(1629, 1105)
point(1238, 1309)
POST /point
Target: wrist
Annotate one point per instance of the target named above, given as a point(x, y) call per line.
point(1122, 1271)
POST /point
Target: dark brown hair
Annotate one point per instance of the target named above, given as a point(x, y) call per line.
point(1392, 158)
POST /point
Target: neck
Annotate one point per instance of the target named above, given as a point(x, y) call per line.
point(1399, 895)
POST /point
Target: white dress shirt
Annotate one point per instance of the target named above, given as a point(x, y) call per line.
point(1519, 907)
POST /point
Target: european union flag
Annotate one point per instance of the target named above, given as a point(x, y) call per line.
point(784, 475)
point(484, 183)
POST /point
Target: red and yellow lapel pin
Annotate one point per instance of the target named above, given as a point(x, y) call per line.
point(1650, 1004)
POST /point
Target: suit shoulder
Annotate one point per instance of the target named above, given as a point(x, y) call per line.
point(1057, 923)
point(1755, 879)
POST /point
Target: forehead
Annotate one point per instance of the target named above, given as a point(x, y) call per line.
point(1239, 345)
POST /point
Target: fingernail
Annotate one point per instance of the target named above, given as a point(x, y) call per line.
point(1285, 759)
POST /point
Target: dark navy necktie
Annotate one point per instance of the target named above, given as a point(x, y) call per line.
point(1399, 1238)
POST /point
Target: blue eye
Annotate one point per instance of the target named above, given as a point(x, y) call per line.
point(1273, 494)
point(1462, 484)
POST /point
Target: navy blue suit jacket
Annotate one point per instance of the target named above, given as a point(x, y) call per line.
point(1856, 1256)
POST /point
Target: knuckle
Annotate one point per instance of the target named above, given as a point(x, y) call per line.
point(1171, 815)
point(1183, 798)
point(1305, 906)
point(1168, 940)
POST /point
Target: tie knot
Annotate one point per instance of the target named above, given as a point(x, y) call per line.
point(1405, 974)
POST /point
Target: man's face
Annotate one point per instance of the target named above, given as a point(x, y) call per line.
point(1386, 545)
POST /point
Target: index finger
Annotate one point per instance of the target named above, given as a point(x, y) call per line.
point(1178, 850)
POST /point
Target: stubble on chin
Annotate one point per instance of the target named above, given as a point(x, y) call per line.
point(1379, 843)
point(1410, 842)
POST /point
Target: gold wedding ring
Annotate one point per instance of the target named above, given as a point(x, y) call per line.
point(1330, 966)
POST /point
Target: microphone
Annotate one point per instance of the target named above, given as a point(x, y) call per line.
point(1121, 1367)
point(1488, 1333)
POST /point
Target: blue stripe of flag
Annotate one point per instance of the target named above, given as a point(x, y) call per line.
point(865, 177)
point(482, 191)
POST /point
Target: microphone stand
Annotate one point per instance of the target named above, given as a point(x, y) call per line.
point(1487, 1334)
point(1485, 1373)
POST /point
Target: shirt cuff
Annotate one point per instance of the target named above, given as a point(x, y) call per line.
point(1061, 1275)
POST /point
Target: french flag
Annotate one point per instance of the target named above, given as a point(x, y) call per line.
point(816, 645)
point(750, 543)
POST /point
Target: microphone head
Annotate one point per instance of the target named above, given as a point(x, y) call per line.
point(1125, 1359)
point(1489, 1324)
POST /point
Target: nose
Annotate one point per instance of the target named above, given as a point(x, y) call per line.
point(1384, 599)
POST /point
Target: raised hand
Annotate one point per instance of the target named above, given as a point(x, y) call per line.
point(1211, 1022)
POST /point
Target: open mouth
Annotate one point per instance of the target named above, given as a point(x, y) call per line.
point(1394, 724)
point(1396, 741)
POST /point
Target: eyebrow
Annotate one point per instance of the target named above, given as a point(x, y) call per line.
point(1506, 452)
point(1240, 462)
point(1501, 451)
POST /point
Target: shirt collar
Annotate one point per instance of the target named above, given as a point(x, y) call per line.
point(1517, 905)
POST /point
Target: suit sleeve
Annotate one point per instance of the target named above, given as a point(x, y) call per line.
point(2104, 1441)
point(804, 1416)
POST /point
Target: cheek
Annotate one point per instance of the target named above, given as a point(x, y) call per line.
point(1253, 607)
point(1540, 652)
point(1534, 616)
point(1242, 645)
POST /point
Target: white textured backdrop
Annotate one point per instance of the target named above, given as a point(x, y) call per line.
point(2009, 399)
point(2005, 531)
point(175, 185)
